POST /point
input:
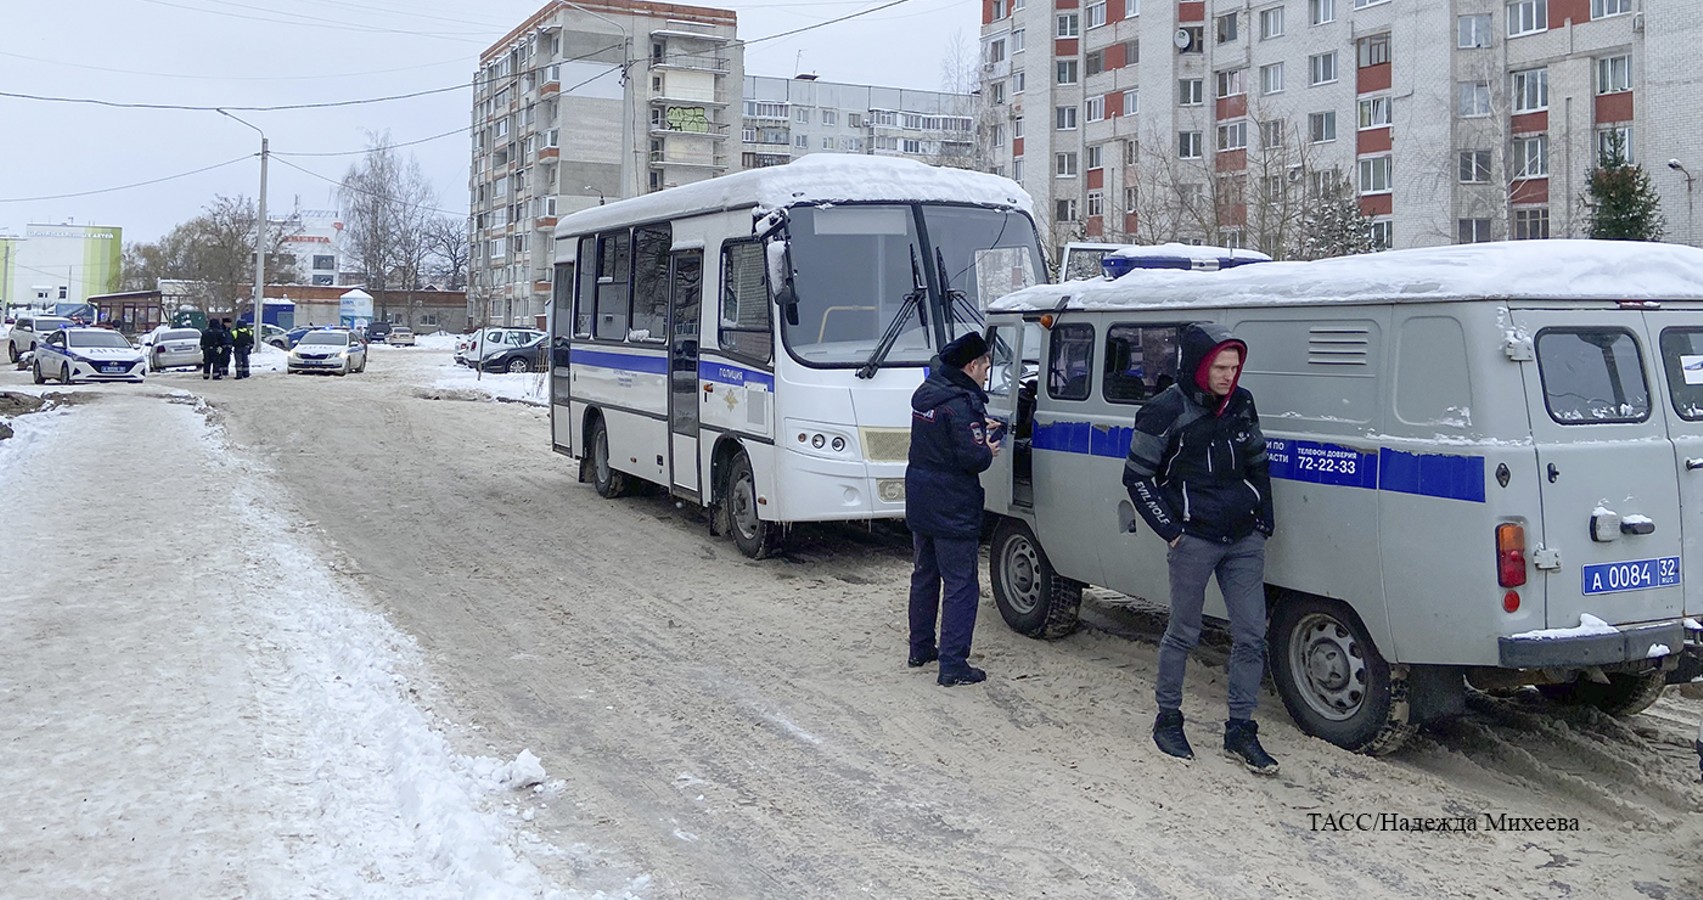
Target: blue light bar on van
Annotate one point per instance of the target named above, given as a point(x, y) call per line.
point(1117, 265)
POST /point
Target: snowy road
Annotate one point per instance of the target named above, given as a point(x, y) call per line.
point(722, 727)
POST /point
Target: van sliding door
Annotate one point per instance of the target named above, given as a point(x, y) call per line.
point(1677, 336)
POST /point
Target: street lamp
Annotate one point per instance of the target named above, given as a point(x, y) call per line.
point(259, 231)
point(598, 192)
point(1690, 182)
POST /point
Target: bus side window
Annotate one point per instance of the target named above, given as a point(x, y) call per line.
point(745, 325)
point(614, 285)
point(1070, 361)
point(651, 244)
point(1141, 361)
point(586, 295)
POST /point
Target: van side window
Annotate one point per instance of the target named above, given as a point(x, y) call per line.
point(745, 324)
point(1141, 361)
point(1592, 375)
point(1682, 357)
point(1070, 362)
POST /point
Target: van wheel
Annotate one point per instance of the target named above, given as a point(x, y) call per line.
point(1032, 597)
point(609, 483)
point(753, 536)
point(1333, 680)
point(1624, 695)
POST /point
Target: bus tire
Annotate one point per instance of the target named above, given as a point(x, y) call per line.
point(1032, 597)
point(1625, 694)
point(609, 483)
point(753, 536)
point(1331, 677)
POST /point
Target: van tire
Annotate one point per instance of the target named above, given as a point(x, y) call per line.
point(1032, 597)
point(1624, 695)
point(755, 537)
point(609, 483)
point(1332, 679)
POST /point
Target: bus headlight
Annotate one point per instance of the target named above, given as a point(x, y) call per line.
point(827, 441)
point(839, 445)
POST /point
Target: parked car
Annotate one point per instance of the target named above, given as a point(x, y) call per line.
point(486, 341)
point(274, 335)
point(400, 337)
point(88, 354)
point(377, 331)
point(28, 331)
point(336, 351)
point(170, 348)
point(289, 338)
point(532, 356)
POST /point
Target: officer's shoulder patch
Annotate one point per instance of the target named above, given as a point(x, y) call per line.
point(923, 415)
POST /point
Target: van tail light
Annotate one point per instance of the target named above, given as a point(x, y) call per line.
point(1510, 555)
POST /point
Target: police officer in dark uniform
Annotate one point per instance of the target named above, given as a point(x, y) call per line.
point(242, 344)
point(950, 447)
point(212, 345)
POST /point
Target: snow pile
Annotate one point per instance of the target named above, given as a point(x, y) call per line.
point(517, 387)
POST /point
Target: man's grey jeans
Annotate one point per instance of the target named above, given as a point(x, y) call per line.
point(1240, 568)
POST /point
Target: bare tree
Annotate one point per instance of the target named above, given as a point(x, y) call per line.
point(387, 215)
point(213, 253)
point(449, 252)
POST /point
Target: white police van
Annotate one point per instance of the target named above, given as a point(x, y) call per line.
point(1487, 464)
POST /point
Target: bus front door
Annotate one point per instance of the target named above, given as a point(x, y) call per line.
point(685, 296)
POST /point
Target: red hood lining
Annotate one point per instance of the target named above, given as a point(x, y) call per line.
point(1203, 370)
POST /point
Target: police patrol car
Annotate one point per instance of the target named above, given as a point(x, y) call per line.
point(87, 354)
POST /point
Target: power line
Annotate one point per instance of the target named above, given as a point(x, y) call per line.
point(341, 186)
point(873, 9)
point(125, 187)
point(287, 106)
point(318, 22)
point(436, 137)
point(59, 62)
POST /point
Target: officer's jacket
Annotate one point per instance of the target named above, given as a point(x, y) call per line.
point(949, 449)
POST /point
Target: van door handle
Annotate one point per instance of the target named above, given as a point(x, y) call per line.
point(1694, 464)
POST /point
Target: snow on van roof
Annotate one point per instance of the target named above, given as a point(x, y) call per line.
point(1536, 270)
point(816, 178)
point(1175, 250)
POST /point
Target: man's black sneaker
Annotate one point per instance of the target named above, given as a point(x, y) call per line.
point(1242, 742)
point(919, 660)
point(1168, 734)
point(969, 675)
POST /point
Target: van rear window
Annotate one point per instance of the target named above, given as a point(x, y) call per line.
point(1592, 376)
point(1682, 357)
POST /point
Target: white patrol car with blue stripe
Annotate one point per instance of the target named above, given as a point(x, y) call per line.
point(1486, 462)
point(87, 354)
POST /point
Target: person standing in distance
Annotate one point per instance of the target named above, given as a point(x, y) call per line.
point(242, 344)
point(212, 340)
point(950, 447)
point(1197, 472)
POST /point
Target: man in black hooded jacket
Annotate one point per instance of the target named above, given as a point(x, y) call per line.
point(1197, 472)
point(950, 447)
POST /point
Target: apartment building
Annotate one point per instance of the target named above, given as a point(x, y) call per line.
point(582, 102)
point(785, 118)
point(1226, 121)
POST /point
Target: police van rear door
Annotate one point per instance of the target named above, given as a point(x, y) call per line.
point(1677, 335)
point(1611, 527)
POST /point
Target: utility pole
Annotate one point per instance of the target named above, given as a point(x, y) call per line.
point(259, 232)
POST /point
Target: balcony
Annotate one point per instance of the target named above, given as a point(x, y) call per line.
point(687, 121)
point(700, 62)
point(544, 222)
point(683, 31)
point(661, 158)
point(549, 153)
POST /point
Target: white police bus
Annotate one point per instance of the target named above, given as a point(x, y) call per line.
point(751, 342)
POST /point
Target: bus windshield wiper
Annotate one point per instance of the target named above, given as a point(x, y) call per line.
point(954, 297)
point(913, 301)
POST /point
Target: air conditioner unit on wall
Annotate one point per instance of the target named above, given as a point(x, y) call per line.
point(1638, 23)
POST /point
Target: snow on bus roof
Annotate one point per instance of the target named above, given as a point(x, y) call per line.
point(1536, 270)
point(816, 178)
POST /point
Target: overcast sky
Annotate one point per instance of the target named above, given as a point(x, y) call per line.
point(255, 53)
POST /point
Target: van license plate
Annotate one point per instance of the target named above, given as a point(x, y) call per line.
point(1635, 575)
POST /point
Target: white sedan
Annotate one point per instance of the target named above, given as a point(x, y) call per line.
point(337, 351)
point(87, 354)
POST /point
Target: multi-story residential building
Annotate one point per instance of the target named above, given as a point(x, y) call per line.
point(786, 118)
point(1226, 120)
point(585, 101)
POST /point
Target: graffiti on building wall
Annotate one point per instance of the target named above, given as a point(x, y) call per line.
point(687, 118)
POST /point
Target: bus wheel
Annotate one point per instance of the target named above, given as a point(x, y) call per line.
point(753, 536)
point(1034, 599)
point(1624, 695)
point(609, 483)
point(1333, 680)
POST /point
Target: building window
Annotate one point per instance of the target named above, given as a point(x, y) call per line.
point(1189, 92)
point(1188, 145)
point(1132, 8)
point(1271, 134)
point(1472, 231)
point(1606, 138)
point(912, 145)
point(1017, 168)
point(1321, 12)
point(1017, 41)
point(1068, 25)
point(1064, 165)
point(1132, 198)
point(1132, 52)
point(801, 116)
point(1472, 31)
point(1362, 4)
point(1614, 74)
point(1383, 234)
point(1131, 101)
point(1231, 83)
point(1375, 175)
point(1528, 17)
point(323, 262)
point(1475, 166)
point(1321, 127)
point(1531, 224)
point(1018, 79)
point(1374, 50)
point(1604, 8)
point(1067, 71)
point(1473, 99)
point(1132, 150)
point(1064, 210)
point(999, 10)
point(801, 142)
point(1531, 90)
point(827, 143)
point(1271, 78)
point(996, 51)
point(996, 95)
point(1321, 68)
point(1233, 135)
point(1096, 14)
point(1064, 118)
point(1375, 112)
point(1017, 127)
point(1094, 108)
point(1096, 203)
point(1271, 23)
point(1531, 156)
point(1225, 26)
point(1093, 63)
point(1096, 156)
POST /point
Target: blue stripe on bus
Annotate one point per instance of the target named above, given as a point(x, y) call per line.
point(629, 362)
point(728, 373)
point(1438, 475)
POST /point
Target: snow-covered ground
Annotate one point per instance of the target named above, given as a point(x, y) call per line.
point(196, 700)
